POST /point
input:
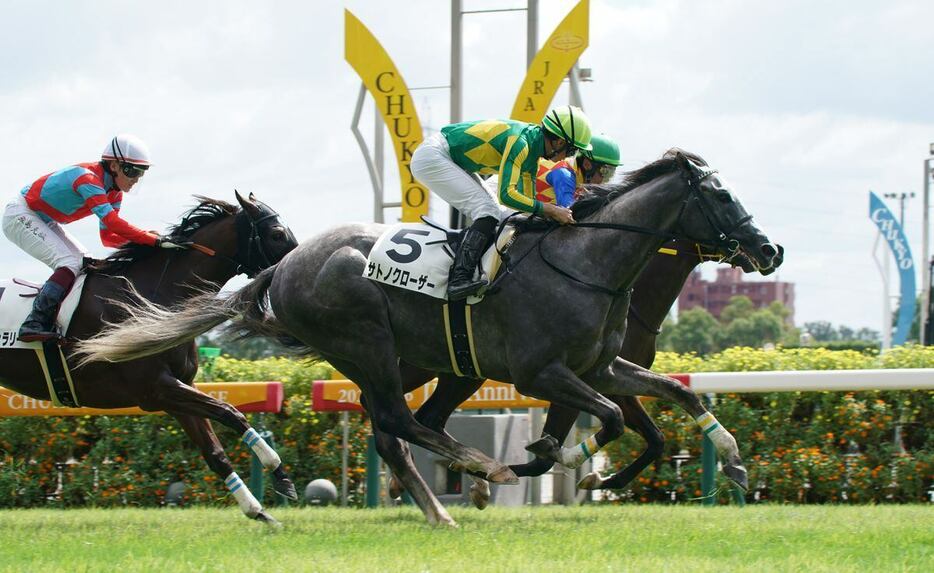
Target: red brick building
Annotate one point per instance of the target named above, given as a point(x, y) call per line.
point(729, 283)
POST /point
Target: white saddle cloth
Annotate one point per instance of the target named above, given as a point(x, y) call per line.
point(16, 299)
point(416, 257)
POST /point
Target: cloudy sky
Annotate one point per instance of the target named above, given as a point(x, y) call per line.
point(803, 106)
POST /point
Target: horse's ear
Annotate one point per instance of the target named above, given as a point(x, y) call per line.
point(248, 205)
point(685, 163)
point(252, 197)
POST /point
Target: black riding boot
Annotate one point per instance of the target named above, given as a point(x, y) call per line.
point(477, 238)
point(40, 324)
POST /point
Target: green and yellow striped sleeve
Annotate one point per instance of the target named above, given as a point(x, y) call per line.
point(512, 192)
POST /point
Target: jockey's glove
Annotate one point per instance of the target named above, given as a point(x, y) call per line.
point(170, 243)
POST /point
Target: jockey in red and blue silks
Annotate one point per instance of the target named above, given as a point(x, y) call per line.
point(77, 192)
point(34, 222)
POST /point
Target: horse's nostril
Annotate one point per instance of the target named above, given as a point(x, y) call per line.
point(769, 250)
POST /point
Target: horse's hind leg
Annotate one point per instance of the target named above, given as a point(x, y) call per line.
point(172, 395)
point(392, 450)
point(627, 379)
point(379, 379)
point(450, 392)
point(202, 434)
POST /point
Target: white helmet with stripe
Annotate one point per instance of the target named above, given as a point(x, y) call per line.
point(126, 148)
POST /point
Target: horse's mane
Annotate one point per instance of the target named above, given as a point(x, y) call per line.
point(207, 211)
point(599, 196)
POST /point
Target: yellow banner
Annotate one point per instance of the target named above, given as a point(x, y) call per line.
point(245, 396)
point(552, 64)
point(345, 395)
point(384, 82)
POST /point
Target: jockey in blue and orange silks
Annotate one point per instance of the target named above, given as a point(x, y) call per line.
point(35, 219)
point(561, 182)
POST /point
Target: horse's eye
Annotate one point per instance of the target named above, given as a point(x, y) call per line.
point(278, 235)
point(724, 197)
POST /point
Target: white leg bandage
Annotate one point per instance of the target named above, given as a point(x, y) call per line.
point(267, 456)
point(721, 438)
point(573, 457)
point(249, 505)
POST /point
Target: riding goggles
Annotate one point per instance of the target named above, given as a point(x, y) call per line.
point(133, 171)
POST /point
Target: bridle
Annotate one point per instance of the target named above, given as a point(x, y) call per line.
point(723, 242)
point(257, 258)
point(248, 241)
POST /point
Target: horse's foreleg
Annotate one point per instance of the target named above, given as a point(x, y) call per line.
point(627, 379)
point(640, 421)
point(202, 434)
point(558, 423)
point(559, 385)
point(173, 395)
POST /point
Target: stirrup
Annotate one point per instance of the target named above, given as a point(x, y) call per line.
point(458, 292)
point(37, 336)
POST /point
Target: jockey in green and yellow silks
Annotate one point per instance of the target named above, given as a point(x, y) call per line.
point(511, 149)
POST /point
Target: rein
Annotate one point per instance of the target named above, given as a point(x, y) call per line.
point(723, 240)
point(253, 243)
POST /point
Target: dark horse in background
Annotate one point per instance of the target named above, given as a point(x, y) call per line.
point(554, 330)
point(230, 241)
point(653, 294)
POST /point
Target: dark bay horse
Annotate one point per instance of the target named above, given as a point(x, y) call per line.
point(543, 332)
point(654, 292)
point(243, 240)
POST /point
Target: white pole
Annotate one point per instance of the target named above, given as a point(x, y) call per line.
point(925, 251)
point(345, 449)
point(886, 300)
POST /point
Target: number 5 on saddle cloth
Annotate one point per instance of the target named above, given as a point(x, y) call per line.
point(16, 297)
point(418, 257)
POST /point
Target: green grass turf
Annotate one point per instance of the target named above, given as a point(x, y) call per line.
point(594, 538)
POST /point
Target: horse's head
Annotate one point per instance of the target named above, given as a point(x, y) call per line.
point(262, 237)
point(713, 216)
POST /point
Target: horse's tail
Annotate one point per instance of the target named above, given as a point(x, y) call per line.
point(150, 328)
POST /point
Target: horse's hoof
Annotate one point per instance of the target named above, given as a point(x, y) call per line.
point(457, 467)
point(268, 520)
point(395, 488)
point(737, 474)
point(480, 496)
point(590, 481)
point(283, 485)
point(285, 488)
point(546, 447)
point(445, 521)
point(502, 475)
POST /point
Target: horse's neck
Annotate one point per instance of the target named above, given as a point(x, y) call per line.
point(659, 285)
point(623, 254)
point(174, 275)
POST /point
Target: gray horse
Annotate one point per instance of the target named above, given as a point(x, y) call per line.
point(554, 330)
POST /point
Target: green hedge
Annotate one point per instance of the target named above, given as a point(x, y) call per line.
point(839, 443)
point(132, 459)
point(811, 447)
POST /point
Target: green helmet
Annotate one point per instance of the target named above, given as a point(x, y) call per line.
point(570, 124)
point(604, 150)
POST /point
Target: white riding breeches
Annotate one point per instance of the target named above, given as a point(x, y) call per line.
point(48, 242)
point(432, 165)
